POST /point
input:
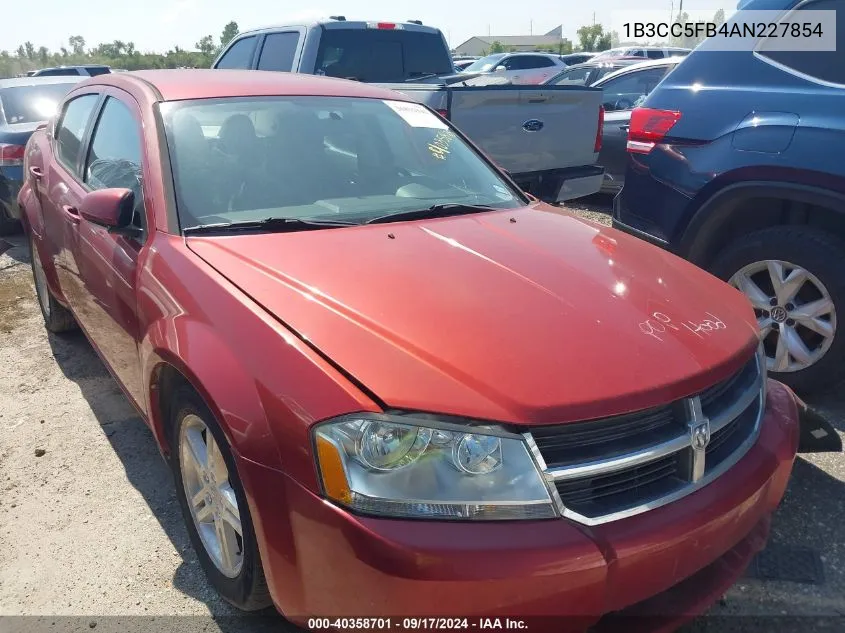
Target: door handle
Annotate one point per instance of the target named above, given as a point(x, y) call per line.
point(625, 127)
point(71, 213)
point(36, 172)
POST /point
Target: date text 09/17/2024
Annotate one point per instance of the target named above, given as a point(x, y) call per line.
point(414, 624)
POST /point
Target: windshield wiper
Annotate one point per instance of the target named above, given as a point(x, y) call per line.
point(434, 211)
point(279, 225)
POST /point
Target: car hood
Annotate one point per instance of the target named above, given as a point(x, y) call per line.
point(530, 316)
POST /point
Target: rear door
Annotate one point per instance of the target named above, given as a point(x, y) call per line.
point(279, 50)
point(104, 298)
point(527, 129)
point(62, 183)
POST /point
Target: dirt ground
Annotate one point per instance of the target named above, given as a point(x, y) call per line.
point(89, 525)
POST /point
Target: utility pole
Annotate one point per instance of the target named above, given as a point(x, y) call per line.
point(531, 27)
point(594, 18)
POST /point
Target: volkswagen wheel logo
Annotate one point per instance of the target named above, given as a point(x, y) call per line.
point(532, 125)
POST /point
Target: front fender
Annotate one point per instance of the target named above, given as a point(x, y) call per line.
point(195, 350)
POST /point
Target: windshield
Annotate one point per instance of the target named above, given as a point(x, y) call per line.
point(337, 159)
point(31, 104)
point(381, 55)
point(484, 64)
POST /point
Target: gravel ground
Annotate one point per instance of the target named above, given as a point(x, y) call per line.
point(89, 525)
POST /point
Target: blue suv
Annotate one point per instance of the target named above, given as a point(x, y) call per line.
point(737, 163)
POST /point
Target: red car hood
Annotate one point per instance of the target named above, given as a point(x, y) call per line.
point(527, 316)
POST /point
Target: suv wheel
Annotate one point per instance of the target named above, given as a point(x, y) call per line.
point(793, 278)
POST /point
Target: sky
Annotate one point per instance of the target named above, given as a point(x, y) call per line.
point(158, 25)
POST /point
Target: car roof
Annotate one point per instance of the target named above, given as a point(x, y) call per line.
point(40, 81)
point(179, 84)
point(337, 24)
point(651, 63)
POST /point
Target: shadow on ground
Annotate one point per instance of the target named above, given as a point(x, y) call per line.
point(148, 472)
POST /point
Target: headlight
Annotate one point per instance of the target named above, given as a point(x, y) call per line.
point(404, 466)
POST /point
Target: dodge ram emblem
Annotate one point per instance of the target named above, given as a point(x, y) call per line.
point(532, 125)
point(701, 435)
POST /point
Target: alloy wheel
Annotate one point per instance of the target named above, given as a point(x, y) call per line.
point(796, 316)
point(211, 498)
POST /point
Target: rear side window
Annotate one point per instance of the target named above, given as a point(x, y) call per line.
point(239, 54)
point(98, 70)
point(572, 77)
point(72, 128)
point(823, 65)
point(115, 156)
point(629, 90)
point(653, 54)
point(56, 72)
point(278, 51)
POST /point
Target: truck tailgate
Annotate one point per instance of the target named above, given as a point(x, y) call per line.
point(564, 120)
point(545, 136)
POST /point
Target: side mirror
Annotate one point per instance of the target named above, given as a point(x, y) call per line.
point(111, 208)
point(499, 69)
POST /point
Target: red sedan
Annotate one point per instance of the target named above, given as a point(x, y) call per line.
point(387, 381)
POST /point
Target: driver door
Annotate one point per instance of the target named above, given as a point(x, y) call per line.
point(104, 299)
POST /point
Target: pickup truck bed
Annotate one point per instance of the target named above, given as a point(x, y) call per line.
point(544, 136)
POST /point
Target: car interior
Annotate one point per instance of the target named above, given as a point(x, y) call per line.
point(271, 160)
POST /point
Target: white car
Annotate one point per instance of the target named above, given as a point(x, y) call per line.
point(519, 68)
point(646, 52)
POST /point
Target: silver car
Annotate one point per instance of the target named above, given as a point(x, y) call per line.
point(519, 68)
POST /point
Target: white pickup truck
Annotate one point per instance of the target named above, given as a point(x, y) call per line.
point(547, 137)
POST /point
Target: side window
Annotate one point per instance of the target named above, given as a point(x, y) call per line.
point(72, 128)
point(573, 77)
point(543, 62)
point(59, 72)
point(510, 63)
point(823, 65)
point(115, 157)
point(625, 92)
point(239, 54)
point(98, 70)
point(654, 54)
point(278, 51)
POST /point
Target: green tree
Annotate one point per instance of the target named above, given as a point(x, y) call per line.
point(30, 50)
point(593, 38)
point(497, 47)
point(229, 33)
point(206, 46)
point(614, 39)
point(77, 44)
point(21, 52)
point(43, 56)
point(719, 18)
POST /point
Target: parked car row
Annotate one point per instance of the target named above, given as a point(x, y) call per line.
point(459, 373)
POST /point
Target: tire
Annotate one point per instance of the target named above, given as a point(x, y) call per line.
point(244, 587)
point(814, 261)
point(8, 225)
point(57, 318)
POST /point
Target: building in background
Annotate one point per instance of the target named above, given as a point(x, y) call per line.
point(480, 45)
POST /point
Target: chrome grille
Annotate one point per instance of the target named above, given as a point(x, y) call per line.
point(609, 469)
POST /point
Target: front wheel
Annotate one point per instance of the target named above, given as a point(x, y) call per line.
point(792, 275)
point(214, 505)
